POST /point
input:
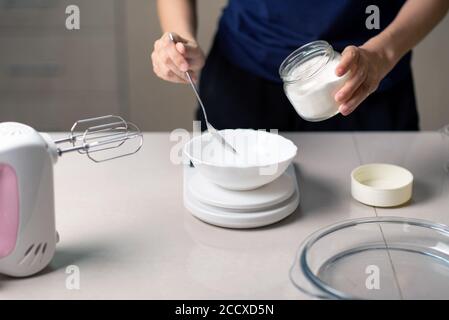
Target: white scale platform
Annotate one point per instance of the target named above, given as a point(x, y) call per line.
point(240, 209)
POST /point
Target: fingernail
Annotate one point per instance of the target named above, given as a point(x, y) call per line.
point(339, 96)
point(184, 67)
point(343, 109)
point(180, 47)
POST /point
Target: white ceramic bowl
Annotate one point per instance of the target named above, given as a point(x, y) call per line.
point(262, 157)
point(381, 185)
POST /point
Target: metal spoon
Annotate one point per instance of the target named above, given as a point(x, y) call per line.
point(210, 128)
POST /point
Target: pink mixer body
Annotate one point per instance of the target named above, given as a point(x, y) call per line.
point(9, 209)
point(27, 217)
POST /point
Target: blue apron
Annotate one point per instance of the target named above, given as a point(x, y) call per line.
point(257, 35)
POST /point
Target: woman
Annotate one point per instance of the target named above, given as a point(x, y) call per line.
point(240, 84)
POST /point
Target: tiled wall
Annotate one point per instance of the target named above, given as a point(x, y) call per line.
point(50, 77)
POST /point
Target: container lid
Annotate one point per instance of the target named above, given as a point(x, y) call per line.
point(375, 258)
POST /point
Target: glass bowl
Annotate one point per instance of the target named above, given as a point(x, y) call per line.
point(375, 258)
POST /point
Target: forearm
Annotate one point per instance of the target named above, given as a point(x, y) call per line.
point(415, 20)
point(178, 16)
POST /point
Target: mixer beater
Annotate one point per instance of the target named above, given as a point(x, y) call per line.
point(90, 136)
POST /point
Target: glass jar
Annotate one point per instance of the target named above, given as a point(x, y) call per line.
point(310, 82)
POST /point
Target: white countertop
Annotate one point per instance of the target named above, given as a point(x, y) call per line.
point(123, 224)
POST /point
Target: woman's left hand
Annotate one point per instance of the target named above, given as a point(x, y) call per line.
point(367, 68)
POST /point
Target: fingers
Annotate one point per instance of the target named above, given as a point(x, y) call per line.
point(169, 49)
point(181, 48)
point(187, 50)
point(165, 70)
point(167, 74)
point(187, 55)
point(163, 57)
point(172, 58)
point(361, 94)
point(193, 54)
point(358, 76)
point(349, 57)
point(174, 67)
point(176, 37)
point(194, 76)
point(363, 79)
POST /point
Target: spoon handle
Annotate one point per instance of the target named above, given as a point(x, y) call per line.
point(210, 128)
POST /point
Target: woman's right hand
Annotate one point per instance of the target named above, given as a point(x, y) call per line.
point(171, 59)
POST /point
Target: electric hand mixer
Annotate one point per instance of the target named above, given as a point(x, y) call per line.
point(27, 219)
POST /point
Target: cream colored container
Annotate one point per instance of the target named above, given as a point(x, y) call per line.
point(381, 185)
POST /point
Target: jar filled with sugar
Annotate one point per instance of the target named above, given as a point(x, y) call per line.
point(310, 82)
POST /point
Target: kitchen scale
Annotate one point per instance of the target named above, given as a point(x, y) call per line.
point(240, 209)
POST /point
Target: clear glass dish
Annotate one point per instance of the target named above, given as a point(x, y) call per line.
point(375, 258)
